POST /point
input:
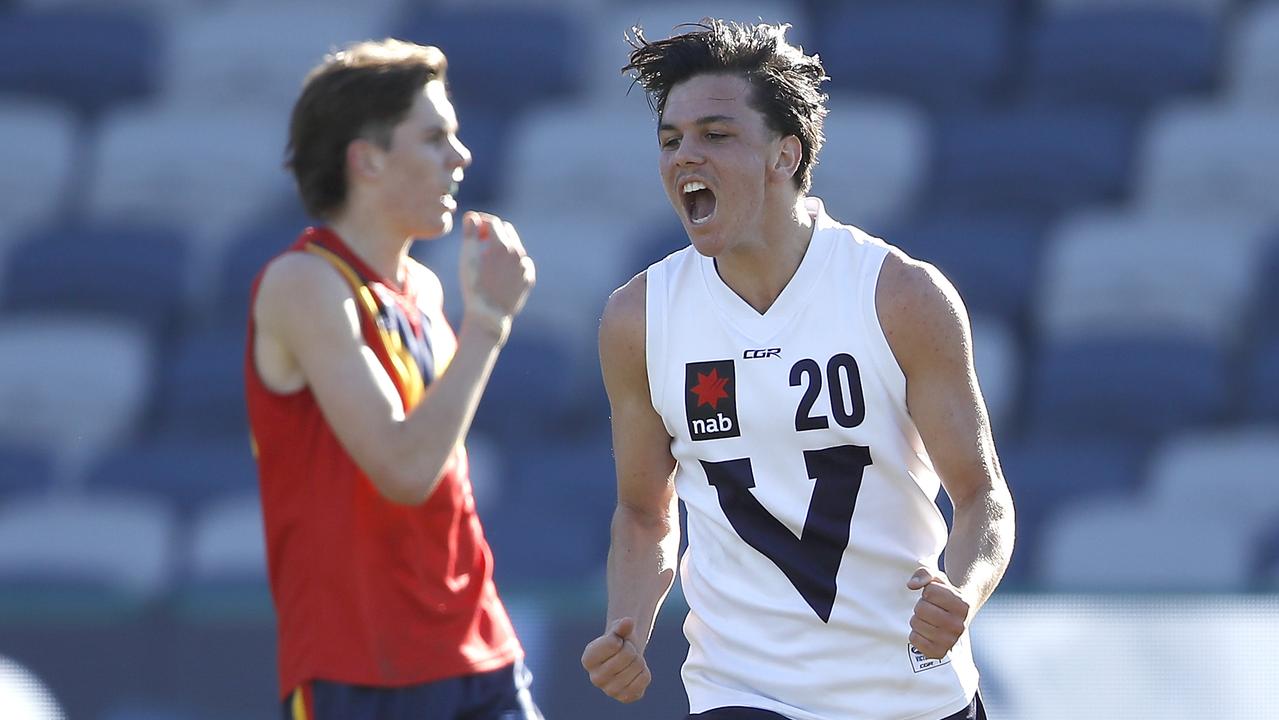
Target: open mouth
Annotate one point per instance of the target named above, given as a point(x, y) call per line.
point(699, 202)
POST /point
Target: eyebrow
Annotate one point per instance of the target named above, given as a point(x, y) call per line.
point(704, 120)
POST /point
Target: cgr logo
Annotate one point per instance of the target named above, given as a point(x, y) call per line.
point(710, 400)
point(763, 353)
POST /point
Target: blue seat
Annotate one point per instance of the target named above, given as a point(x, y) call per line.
point(88, 58)
point(991, 257)
point(261, 239)
point(484, 131)
point(1034, 158)
point(186, 471)
point(933, 51)
point(201, 389)
point(480, 43)
point(1139, 387)
point(1045, 472)
point(136, 272)
point(533, 391)
point(1127, 56)
point(23, 470)
point(1262, 388)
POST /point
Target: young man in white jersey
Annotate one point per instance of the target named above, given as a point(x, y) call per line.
point(806, 390)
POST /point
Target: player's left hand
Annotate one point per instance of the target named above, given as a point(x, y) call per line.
point(941, 614)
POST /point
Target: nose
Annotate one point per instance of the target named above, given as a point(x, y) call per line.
point(462, 152)
point(688, 152)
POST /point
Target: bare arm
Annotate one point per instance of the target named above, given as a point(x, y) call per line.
point(645, 532)
point(928, 330)
point(308, 326)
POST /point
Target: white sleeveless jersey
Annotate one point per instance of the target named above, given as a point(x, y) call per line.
point(809, 493)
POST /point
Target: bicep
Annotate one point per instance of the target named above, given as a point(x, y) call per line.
point(929, 332)
point(641, 445)
point(310, 310)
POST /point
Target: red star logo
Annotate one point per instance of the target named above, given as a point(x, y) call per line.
point(710, 389)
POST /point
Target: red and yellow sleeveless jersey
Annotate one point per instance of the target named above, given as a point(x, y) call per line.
point(368, 591)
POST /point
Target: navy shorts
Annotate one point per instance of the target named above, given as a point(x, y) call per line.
point(974, 711)
point(501, 694)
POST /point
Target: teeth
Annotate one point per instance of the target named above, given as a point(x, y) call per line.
point(694, 185)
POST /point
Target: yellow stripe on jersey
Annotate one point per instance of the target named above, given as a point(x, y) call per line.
point(299, 705)
point(405, 366)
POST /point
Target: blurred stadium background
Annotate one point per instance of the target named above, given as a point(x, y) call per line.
point(1100, 178)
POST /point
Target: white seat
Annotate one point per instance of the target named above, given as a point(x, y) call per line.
point(227, 541)
point(1211, 159)
point(998, 364)
point(38, 144)
point(255, 55)
point(121, 542)
point(1254, 56)
point(1110, 273)
point(71, 385)
point(1121, 545)
point(188, 168)
point(1230, 474)
point(596, 159)
point(874, 161)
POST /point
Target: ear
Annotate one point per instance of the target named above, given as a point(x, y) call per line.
point(789, 153)
point(364, 159)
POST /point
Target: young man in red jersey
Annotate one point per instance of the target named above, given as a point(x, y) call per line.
point(360, 397)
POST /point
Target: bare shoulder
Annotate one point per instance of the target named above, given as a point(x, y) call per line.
point(298, 284)
point(623, 322)
point(919, 310)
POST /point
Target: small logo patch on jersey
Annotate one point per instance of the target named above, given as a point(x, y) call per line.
point(710, 400)
point(920, 662)
point(761, 353)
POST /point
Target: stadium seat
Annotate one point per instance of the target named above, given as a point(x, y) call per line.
point(1142, 387)
point(254, 56)
point(531, 68)
point(1175, 275)
point(1128, 546)
point(1047, 472)
point(103, 56)
point(38, 143)
point(117, 546)
point(136, 273)
point(227, 545)
point(1211, 159)
point(23, 469)
point(1226, 474)
point(533, 391)
point(1211, 8)
point(609, 168)
point(992, 257)
point(184, 471)
point(70, 385)
point(998, 362)
point(205, 172)
point(873, 166)
point(201, 385)
point(1254, 56)
point(262, 237)
point(1035, 158)
point(933, 51)
point(1261, 388)
point(1132, 56)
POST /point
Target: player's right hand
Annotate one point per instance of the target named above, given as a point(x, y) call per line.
point(496, 272)
point(615, 664)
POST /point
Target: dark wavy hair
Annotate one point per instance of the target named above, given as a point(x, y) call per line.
point(361, 91)
point(785, 83)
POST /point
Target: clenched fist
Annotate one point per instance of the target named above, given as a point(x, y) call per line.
point(941, 614)
point(496, 272)
point(615, 664)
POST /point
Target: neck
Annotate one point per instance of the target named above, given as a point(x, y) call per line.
point(380, 246)
point(758, 270)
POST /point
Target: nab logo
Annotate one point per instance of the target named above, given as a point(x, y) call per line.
point(764, 353)
point(710, 400)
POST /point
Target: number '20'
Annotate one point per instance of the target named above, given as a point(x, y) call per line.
point(844, 381)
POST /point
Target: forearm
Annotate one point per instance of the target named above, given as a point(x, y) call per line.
point(425, 441)
point(980, 544)
point(641, 566)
